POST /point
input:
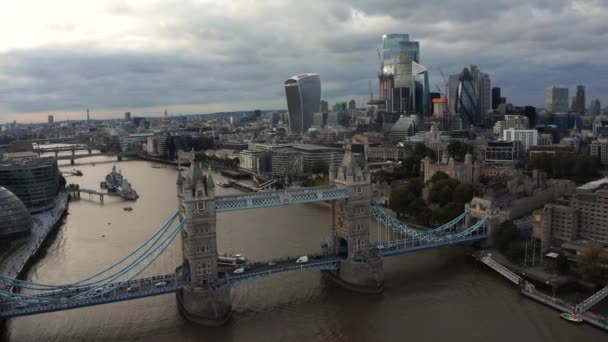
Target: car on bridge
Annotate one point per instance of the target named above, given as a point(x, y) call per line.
point(239, 270)
point(161, 284)
point(302, 260)
point(133, 288)
point(22, 306)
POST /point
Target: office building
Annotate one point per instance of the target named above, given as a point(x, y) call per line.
point(404, 84)
point(483, 89)
point(579, 217)
point(527, 137)
point(599, 150)
point(503, 152)
point(596, 107)
point(511, 121)
point(35, 181)
point(557, 100)
point(15, 220)
point(406, 126)
point(579, 100)
point(454, 81)
point(471, 95)
point(303, 94)
point(466, 99)
point(495, 97)
point(324, 106)
point(313, 153)
point(127, 116)
point(51, 119)
point(352, 106)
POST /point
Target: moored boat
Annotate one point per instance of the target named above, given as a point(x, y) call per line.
point(572, 317)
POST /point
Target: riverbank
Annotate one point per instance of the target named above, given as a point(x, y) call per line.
point(45, 224)
point(503, 266)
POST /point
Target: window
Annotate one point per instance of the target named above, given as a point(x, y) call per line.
point(204, 248)
point(359, 189)
point(358, 227)
point(199, 193)
point(202, 268)
point(201, 206)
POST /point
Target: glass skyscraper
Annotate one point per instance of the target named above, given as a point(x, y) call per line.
point(303, 94)
point(466, 99)
point(404, 82)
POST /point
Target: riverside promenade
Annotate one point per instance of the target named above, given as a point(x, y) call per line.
point(15, 264)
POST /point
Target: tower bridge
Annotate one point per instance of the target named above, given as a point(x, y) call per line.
point(353, 257)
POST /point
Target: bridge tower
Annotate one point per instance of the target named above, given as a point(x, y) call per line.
point(361, 270)
point(202, 299)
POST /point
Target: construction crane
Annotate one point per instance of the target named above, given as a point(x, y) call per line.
point(446, 91)
point(371, 92)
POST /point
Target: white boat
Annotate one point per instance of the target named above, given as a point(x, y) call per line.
point(224, 183)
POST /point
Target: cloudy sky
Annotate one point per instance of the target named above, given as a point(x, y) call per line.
point(60, 57)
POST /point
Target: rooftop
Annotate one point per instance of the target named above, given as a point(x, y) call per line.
point(311, 148)
point(595, 185)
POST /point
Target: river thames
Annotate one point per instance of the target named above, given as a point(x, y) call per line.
point(429, 296)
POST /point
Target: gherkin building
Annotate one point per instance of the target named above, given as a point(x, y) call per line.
point(15, 219)
point(466, 98)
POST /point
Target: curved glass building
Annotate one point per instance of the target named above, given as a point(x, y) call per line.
point(303, 94)
point(34, 181)
point(466, 100)
point(14, 217)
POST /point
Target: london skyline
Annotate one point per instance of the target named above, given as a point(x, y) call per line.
point(202, 57)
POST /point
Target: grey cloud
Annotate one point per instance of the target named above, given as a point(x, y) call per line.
point(233, 57)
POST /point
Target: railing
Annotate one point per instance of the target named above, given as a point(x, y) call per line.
point(264, 199)
point(591, 301)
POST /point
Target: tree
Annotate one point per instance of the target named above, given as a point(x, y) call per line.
point(421, 151)
point(561, 264)
point(588, 263)
point(458, 150)
point(320, 167)
point(463, 193)
point(507, 234)
point(439, 175)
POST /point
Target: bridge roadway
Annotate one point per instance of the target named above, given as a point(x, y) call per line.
point(150, 286)
point(412, 245)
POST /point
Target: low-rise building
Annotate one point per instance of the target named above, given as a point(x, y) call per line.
point(503, 152)
point(583, 215)
point(528, 137)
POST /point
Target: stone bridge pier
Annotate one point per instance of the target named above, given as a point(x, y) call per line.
point(202, 299)
point(361, 269)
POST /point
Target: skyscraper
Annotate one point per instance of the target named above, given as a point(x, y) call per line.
point(352, 105)
point(579, 100)
point(596, 107)
point(51, 119)
point(403, 81)
point(482, 84)
point(495, 97)
point(557, 100)
point(453, 83)
point(324, 106)
point(482, 95)
point(466, 99)
point(303, 94)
